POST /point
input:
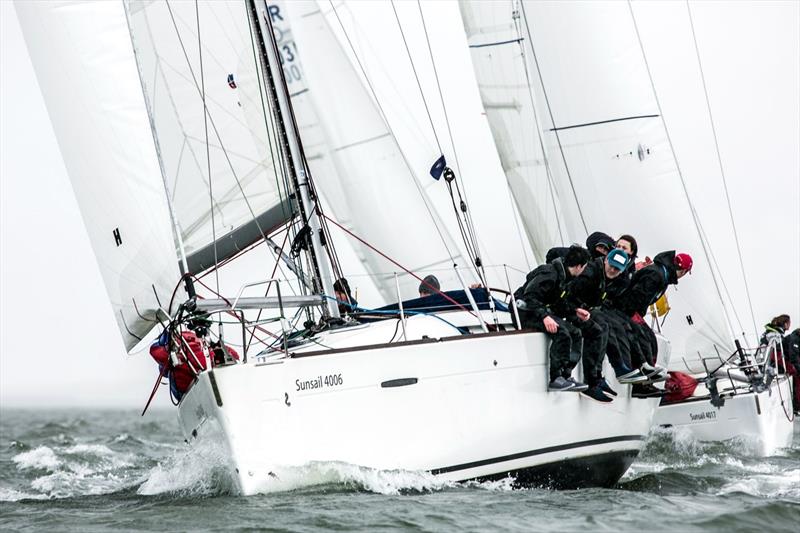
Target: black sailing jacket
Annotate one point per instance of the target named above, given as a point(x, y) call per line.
point(543, 292)
point(791, 348)
point(648, 284)
point(588, 290)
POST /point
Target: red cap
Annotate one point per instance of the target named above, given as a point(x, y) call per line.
point(684, 262)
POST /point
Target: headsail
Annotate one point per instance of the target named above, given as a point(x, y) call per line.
point(356, 161)
point(84, 62)
point(609, 155)
point(498, 57)
point(188, 51)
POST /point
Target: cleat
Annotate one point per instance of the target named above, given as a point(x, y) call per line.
point(560, 384)
point(596, 394)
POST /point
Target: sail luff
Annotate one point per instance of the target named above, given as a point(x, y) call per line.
point(84, 61)
point(300, 173)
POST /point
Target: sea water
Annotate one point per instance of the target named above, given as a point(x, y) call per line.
point(98, 470)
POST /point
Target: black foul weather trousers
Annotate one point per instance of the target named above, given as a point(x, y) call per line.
point(595, 339)
point(618, 345)
point(646, 342)
point(565, 348)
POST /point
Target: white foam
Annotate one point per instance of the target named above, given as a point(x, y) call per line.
point(65, 484)
point(285, 478)
point(767, 485)
point(43, 458)
point(501, 485)
point(12, 495)
point(201, 469)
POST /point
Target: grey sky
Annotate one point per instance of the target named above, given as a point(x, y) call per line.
point(59, 343)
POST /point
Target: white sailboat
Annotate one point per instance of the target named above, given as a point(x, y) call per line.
point(454, 390)
point(607, 156)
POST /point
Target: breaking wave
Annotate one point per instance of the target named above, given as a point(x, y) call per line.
point(673, 462)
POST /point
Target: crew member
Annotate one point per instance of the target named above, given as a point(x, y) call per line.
point(429, 286)
point(344, 297)
point(646, 287)
point(589, 291)
point(542, 307)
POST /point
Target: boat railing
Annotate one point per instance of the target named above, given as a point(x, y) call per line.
point(756, 367)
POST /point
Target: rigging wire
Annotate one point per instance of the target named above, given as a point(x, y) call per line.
point(416, 77)
point(695, 217)
point(722, 172)
point(208, 150)
point(466, 226)
point(467, 214)
point(552, 119)
point(400, 266)
point(265, 115)
point(471, 244)
point(724, 285)
point(207, 118)
point(537, 123)
point(389, 128)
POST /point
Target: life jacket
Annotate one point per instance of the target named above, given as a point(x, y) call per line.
point(191, 358)
point(679, 386)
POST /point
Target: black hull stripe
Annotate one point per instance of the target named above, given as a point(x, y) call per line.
point(531, 453)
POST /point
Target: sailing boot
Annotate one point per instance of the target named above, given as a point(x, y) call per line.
point(646, 391)
point(605, 387)
point(596, 394)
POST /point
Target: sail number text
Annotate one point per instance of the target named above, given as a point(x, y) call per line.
point(330, 380)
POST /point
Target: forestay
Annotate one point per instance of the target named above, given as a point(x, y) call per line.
point(609, 155)
point(187, 51)
point(82, 55)
point(356, 161)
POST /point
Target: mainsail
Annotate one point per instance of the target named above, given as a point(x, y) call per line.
point(84, 62)
point(604, 140)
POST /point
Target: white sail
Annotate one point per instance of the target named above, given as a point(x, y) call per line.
point(356, 161)
point(242, 166)
point(417, 67)
point(608, 151)
point(84, 62)
point(498, 57)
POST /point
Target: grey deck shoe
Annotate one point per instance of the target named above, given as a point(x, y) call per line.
point(560, 384)
point(579, 387)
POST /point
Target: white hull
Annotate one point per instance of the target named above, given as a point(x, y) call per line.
point(757, 420)
point(465, 407)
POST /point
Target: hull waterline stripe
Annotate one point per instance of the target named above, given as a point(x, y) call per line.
point(540, 451)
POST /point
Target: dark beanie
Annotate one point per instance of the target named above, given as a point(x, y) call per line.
point(429, 283)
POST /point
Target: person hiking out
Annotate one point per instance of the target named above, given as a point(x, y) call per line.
point(542, 307)
point(589, 292)
point(646, 287)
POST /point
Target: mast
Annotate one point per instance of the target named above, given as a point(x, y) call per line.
point(291, 145)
